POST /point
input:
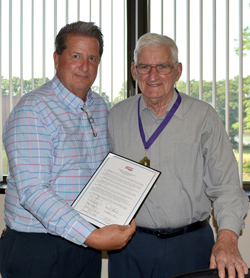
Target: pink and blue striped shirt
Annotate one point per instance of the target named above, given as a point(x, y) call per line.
point(52, 153)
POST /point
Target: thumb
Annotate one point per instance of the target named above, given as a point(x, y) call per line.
point(133, 225)
point(212, 262)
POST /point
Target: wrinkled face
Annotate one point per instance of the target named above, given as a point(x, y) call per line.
point(156, 87)
point(78, 64)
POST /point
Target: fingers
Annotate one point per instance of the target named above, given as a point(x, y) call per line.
point(233, 266)
point(130, 230)
point(111, 237)
point(221, 265)
point(226, 256)
point(132, 226)
point(241, 268)
point(212, 262)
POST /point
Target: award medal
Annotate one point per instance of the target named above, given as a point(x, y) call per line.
point(146, 161)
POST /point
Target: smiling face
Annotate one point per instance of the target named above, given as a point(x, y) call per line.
point(78, 64)
point(157, 89)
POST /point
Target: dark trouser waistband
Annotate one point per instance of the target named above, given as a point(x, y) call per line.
point(167, 233)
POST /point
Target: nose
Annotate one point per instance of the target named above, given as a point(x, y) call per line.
point(84, 65)
point(153, 74)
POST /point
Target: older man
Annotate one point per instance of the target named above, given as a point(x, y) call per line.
point(185, 139)
point(55, 138)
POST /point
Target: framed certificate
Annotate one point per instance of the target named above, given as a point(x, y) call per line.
point(115, 192)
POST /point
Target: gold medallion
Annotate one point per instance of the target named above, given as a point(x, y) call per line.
point(145, 161)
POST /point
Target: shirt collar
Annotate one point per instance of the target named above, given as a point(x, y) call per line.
point(69, 99)
point(178, 113)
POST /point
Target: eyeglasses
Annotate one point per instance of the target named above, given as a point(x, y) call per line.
point(91, 122)
point(161, 68)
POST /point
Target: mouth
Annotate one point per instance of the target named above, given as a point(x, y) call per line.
point(154, 85)
point(81, 76)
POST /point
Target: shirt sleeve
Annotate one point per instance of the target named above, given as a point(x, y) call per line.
point(221, 177)
point(29, 147)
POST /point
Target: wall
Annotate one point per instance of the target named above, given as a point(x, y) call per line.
point(244, 240)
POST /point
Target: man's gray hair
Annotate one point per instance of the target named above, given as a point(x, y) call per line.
point(155, 40)
point(79, 28)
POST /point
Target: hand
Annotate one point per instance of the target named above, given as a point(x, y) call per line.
point(225, 254)
point(111, 237)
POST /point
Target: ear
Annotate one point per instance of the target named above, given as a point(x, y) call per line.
point(133, 71)
point(56, 59)
point(179, 71)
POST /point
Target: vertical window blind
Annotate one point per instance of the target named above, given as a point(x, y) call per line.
point(212, 37)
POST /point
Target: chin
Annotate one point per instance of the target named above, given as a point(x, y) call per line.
point(154, 95)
